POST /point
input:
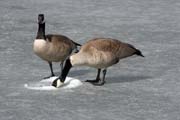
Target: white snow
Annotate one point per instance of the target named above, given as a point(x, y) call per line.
point(46, 84)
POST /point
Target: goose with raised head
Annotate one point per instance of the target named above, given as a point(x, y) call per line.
point(99, 53)
point(52, 47)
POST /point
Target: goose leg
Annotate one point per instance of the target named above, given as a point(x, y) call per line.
point(101, 81)
point(104, 74)
point(97, 77)
point(61, 66)
point(52, 73)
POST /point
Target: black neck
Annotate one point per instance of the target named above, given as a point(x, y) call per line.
point(66, 69)
point(41, 32)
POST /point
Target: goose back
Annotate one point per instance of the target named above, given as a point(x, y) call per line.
point(103, 52)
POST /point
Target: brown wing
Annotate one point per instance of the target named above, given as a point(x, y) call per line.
point(59, 38)
point(116, 48)
point(102, 44)
point(60, 44)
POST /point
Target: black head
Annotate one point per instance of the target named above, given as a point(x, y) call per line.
point(41, 19)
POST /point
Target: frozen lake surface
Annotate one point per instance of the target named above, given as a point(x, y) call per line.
point(136, 88)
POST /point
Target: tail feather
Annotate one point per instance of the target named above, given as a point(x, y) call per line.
point(76, 50)
point(139, 53)
point(77, 44)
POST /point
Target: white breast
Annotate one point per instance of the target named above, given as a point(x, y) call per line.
point(39, 45)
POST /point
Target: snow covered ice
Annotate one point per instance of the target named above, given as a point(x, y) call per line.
point(46, 84)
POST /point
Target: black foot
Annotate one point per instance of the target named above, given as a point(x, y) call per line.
point(96, 82)
point(92, 81)
point(100, 83)
point(48, 76)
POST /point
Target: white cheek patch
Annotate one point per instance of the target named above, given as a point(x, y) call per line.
point(59, 83)
point(46, 84)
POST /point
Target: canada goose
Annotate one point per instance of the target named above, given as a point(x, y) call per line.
point(99, 53)
point(52, 47)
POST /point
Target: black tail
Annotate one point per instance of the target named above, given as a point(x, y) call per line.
point(138, 52)
point(77, 44)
